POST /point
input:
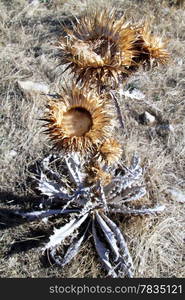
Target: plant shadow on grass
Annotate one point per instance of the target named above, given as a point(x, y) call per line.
point(11, 203)
point(54, 26)
point(33, 239)
point(34, 236)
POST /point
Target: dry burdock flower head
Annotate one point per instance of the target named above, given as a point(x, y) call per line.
point(99, 50)
point(102, 49)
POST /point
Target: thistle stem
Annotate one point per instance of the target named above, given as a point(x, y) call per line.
point(119, 113)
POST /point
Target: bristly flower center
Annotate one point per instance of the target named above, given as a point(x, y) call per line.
point(77, 121)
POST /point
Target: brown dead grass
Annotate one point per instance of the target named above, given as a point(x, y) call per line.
point(27, 52)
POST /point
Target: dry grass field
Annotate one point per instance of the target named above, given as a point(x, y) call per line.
point(28, 34)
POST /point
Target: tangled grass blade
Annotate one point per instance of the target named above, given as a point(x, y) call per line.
point(103, 252)
point(109, 235)
point(60, 234)
point(118, 108)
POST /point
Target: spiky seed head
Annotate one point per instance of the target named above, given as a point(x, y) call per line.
point(152, 48)
point(100, 48)
point(110, 151)
point(80, 120)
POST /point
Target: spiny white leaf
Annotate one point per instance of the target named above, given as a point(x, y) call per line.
point(52, 189)
point(134, 194)
point(103, 252)
point(70, 254)
point(121, 182)
point(73, 249)
point(74, 167)
point(124, 252)
point(45, 165)
point(44, 213)
point(60, 234)
point(45, 162)
point(135, 162)
point(138, 211)
point(140, 192)
point(102, 196)
point(109, 235)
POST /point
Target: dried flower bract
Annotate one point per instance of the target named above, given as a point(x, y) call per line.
point(102, 50)
point(79, 120)
point(110, 151)
point(99, 48)
point(152, 48)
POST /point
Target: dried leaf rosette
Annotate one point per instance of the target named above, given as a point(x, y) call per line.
point(99, 49)
point(79, 120)
point(91, 208)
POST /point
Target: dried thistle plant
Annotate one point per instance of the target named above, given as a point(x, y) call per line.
point(99, 48)
point(79, 120)
point(102, 50)
point(90, 207)
point(152, 49)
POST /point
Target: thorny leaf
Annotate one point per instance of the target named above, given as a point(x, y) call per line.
point(141, 211)
point(122, 246)
point(52, 189)
point(60, 234)
point(71, 252)
point(103, 252)
point(109, 235)
point(31, 216)
point(74, 167)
